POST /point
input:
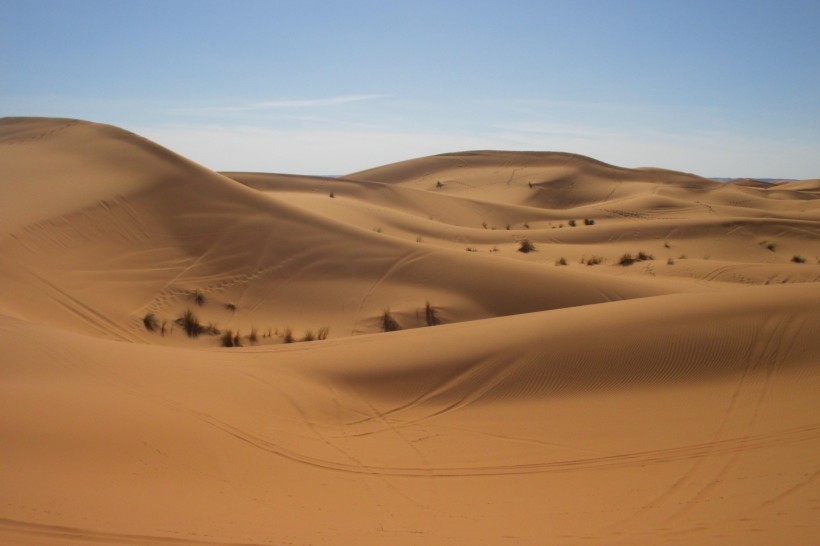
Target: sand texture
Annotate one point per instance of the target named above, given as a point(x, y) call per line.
point(648, 374)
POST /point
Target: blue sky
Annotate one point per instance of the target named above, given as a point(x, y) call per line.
point(718, 88)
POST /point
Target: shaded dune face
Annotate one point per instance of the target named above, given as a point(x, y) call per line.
point(565, 395)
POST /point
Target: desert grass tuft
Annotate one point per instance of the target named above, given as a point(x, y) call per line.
point(561, 261)
point(389, 324)
point(431, 315)
point(309, 336)
point(150, 322)
point(288, 336)
point(629, 259)
point(798, 259)
point(227, 339)
point(526, 246)
point(211, 329)
point(253, 337)
point(198, 297)
point(323, 333)
point(190, 323)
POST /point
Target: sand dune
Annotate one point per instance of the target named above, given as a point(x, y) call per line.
point(670, 400)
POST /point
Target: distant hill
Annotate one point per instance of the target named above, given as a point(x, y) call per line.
point(767, 180)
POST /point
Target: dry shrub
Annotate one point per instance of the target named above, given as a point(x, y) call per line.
point(389, 324)
point(198, 297)
point(190, 323)
point(431, 315)
point(227, 339)
point(150, 321)
point(526, 246)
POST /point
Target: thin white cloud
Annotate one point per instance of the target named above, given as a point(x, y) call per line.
point(286, 104)
point(323, 152)
point(340, 150)
point(553, 129)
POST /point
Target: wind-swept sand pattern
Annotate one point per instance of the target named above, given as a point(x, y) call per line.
point(672, 400)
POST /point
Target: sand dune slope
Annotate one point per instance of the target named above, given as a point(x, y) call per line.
point(147, 237)
point(701, 426)
point(670, 398)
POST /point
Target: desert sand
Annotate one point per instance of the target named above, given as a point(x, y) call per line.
point(671, 398)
